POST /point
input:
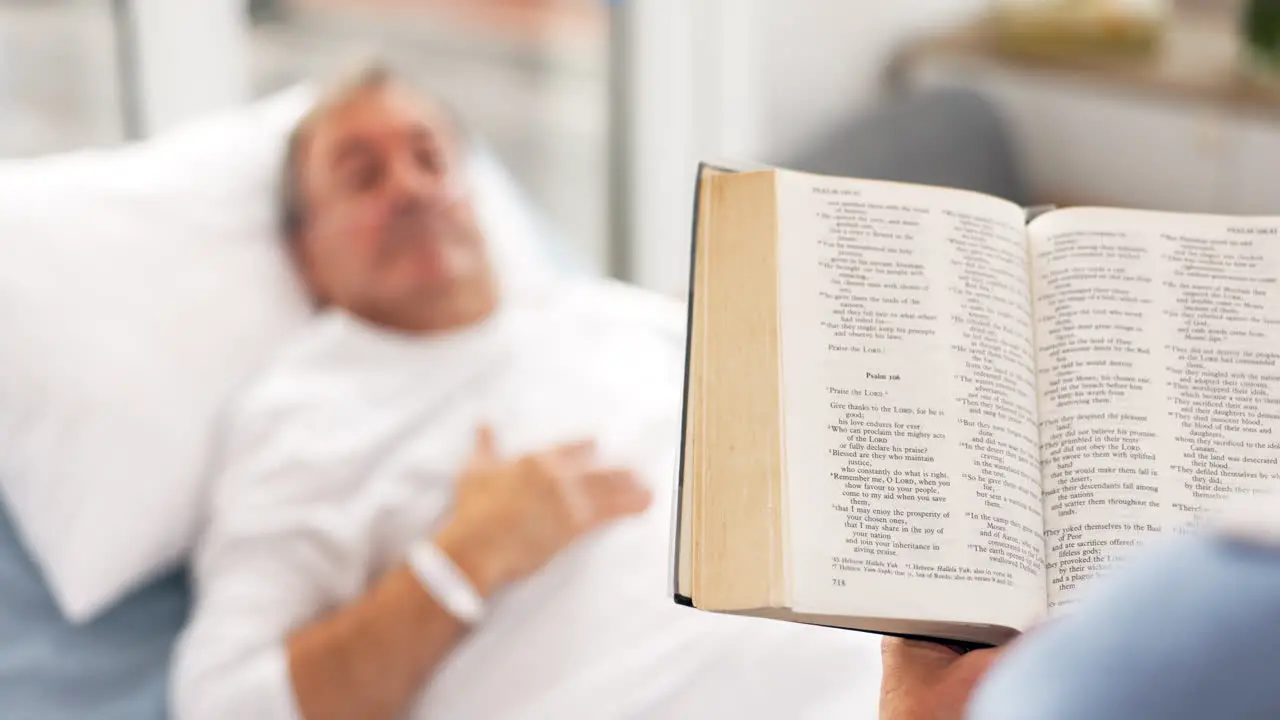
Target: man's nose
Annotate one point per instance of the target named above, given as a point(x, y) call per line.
point(410, 184)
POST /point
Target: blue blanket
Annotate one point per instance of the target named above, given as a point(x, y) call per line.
point(115, 668)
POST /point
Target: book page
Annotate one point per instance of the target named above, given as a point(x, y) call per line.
point(912, 470)
point(1159, 389)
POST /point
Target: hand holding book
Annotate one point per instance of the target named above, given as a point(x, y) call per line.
point(909, 412)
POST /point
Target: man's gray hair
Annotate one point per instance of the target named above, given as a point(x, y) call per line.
point(367, 75)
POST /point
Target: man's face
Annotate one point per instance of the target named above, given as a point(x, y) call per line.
point(388, 228)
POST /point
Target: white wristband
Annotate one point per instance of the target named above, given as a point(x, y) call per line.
point(441, 578)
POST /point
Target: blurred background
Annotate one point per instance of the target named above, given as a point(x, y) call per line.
point(602, 110)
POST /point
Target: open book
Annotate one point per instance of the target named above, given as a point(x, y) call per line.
point(909, 411)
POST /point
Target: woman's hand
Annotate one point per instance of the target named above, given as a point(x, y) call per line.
point(928, 681)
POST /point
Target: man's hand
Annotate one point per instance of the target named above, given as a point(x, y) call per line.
point(510, 517)
point(928, 681)
point(370, 658)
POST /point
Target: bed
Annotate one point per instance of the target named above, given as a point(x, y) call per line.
point(114, 665)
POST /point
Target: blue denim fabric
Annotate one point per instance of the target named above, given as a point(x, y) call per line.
point(1189, 630)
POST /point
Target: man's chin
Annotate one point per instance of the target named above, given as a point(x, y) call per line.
point(430, 269)
point(433, 271)
point(434, 282)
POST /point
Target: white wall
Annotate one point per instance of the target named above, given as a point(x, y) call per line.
point(193, 57)
point(692, 90)
point(58, 86)
point(1082, 143)
point(1251, 172)
point(749, 80)
point(823, 59)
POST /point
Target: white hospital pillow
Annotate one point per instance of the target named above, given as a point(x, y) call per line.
point(138, 288)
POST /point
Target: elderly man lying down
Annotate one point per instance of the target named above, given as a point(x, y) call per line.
point(443, 501)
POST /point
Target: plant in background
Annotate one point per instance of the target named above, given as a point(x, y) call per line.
point(1262, 32)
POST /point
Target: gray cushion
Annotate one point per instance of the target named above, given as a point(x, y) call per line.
point(949, 137)
point(115, 668)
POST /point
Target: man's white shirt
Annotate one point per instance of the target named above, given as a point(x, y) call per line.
point(345, 452)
